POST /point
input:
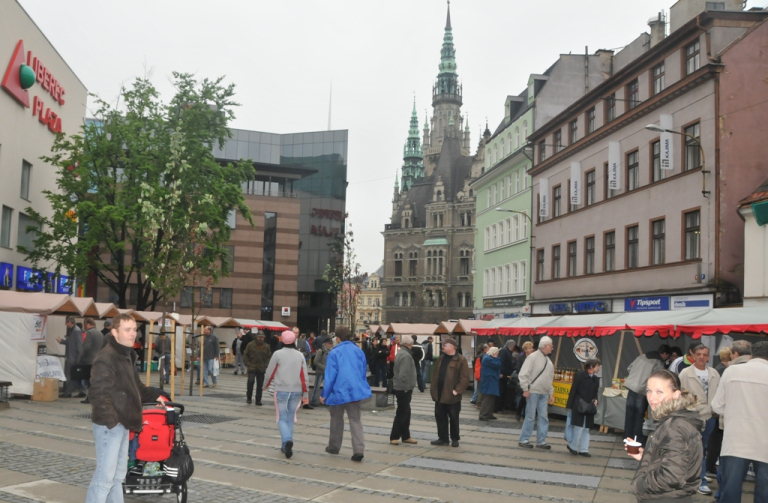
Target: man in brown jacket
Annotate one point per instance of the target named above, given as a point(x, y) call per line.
point(450, 379)
point(256, 357)
point(116, 396)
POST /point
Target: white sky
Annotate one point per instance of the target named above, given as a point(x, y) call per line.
point(283, 55)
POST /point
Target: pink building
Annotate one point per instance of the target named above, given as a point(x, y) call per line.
point(631, 218)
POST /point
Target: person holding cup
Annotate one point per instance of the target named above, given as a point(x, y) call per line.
point(670, 464)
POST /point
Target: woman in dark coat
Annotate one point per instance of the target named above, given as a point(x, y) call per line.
point(489, 383)
point(585, 386)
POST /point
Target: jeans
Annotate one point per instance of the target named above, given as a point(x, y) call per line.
point(287, 404)
point(111, 464)
point(477, 390)
point(425, 366)
point(420, 380)
point(580, 440)
point(381, 374)
point(239, 365)
point(709, 427)
point(208, 368)
point(401, 426)
point(447, 414)
point(314, 400)
point(167, 366)
point(733, 471)
point(637, 404)
point(259, 378)
point(537, 403)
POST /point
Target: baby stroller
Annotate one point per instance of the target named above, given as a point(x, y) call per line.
point(163, 464)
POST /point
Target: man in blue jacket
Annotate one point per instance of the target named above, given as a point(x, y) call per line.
point(345, 386)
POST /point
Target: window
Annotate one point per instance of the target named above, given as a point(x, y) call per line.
point(540, 265)
point(517, 181)
point(658, 78)
point(185, 298)
point(487, 238)
point(633, 94)
point(573, 130)
point(516, 225)
point(572, 258)
point(610, 251)
point(591, 125)
point(225, 298)
point(494, 236)
point(206, 297)
point(556, 196)
point(412, 265)
point(657, 236)
point(398, 264)
point(5, 227)
point(488, 197)
point(493, 194)
point(692, 62)
point(523, 275)
point(24, 238)
point(658, 173)
point(397, 299)
point(517, 138)
point(692, 150)
point(715, 5)
point(590, 175)
point(633, 246)
point(542, 151)
point(633, 171)
point(558, 139)
point(228, 265)
point(26, 173)
point(463, 263)
point(610, 107)
point(524, 218)
point(556, 262)
point(509, 186)
point(525, 132)
point(515, 287)
point(508, 228)
point(487, 282)
point(508, 275)
point(589, 255)
point(268, 266)
point(692, 235)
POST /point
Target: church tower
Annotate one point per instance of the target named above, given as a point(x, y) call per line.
point(446, 92)
point(413, 165)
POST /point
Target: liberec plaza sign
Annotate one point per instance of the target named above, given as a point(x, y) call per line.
point(22, 74)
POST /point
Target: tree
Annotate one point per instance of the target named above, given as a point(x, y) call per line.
point(343, 275)
point(140, 193)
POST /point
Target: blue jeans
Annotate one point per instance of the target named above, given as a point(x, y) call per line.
point(477, 388)
point(288, 403)
point(537, 403)
point(580, 440)
point(111, 464)
point(733, 471)
point(709, 427)
point(208, 368)
point(315, 398)
point(381, 374)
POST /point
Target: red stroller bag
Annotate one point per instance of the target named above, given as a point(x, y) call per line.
point(157, 436)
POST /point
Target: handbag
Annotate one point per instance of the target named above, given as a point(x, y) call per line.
point(216, 367)
point(179, 466)
point(586, 408)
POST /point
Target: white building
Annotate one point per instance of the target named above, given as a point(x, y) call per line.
point(40, 96)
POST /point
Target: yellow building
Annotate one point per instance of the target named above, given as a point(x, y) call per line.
point(370, 301)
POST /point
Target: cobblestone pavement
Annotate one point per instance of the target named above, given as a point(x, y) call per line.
point(46, 454)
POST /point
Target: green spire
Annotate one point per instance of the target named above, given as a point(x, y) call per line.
point(447, 87)
point(413, 161)
point(450, 120)
point(414, 131)
point(466, 128)
point(448, 53)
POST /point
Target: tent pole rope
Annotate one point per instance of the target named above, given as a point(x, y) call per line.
point(618, 356)
point(557, 355)
point(637, 341)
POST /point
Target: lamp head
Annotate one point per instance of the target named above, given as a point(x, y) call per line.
point(654, 127)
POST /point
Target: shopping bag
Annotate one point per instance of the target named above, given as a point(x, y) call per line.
point(568, 433)
point(216, 368)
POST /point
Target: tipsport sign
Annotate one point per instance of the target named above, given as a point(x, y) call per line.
point(24, 70)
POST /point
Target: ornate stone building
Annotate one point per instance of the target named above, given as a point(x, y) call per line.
point(370, 300)
point(428, 246)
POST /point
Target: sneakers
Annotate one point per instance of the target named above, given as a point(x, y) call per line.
point(543, 446)
point(439, 442)
point(289, 449)
point(527, 445)
point(705, 490)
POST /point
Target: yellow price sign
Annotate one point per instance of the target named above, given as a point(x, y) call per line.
point(562, 390)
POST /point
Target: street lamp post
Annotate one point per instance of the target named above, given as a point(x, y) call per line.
point(704, 171)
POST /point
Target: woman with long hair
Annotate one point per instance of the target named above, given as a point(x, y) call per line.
point(670, 464)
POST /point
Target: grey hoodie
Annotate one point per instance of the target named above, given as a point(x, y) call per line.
point(404, 371)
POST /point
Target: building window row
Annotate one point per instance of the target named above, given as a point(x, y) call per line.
point(205, 297)
point(505, 279)
point(691, 249)
point(508, 231)
point(507, 187)
point(405, 299)
point(464, 300)
point(434, 263)
point(503, 146)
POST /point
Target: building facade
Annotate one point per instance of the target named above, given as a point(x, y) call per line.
point(754, 211)
point(370, 302)
point(40, 97)
point(629, 218)
point(429, 243)
point(503, 202)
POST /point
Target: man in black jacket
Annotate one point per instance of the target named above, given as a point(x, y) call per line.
point(426, 363)
point(116, 396)
point(506, 392)
point(73, 348)
point(418, 355)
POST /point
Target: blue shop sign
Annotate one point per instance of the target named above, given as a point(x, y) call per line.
point(64, 285)
point(647, 304)
point(560, 308)
point(592, 306)
point(28, 279)
point(6, 275)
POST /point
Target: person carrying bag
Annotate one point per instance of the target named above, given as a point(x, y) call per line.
point(582, 404)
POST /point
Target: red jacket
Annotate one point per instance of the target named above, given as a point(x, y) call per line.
point(393, 349)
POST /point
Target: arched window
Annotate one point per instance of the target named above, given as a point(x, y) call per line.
point(413, 299)
point(517, 138)
point(524, 139)
point(467, 300)
point(461, 300)
point(397, 299)
point(439, 195)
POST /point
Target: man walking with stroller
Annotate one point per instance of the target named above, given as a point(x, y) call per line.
point(116, 395)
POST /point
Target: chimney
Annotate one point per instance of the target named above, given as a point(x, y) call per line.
point(658, 28)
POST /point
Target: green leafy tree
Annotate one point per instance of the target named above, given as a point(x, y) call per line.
point(141, 199)
point(343, 276)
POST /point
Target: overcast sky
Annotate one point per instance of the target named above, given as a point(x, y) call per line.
point(283, 55)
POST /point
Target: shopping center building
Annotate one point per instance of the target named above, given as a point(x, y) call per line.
point(40, 96)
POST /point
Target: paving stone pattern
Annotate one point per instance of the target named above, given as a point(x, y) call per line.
point(238, 459)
